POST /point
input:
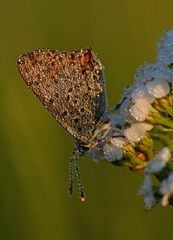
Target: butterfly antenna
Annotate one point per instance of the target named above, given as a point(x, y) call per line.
point(75, 163)
point(71, 179)
point(79, 181)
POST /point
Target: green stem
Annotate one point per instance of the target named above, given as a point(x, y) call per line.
point(160, 120)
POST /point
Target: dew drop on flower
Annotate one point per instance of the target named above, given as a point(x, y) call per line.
point(111, 152)
point(165, 49)
point(140, 109)
point(158, 88)
point(136, 131)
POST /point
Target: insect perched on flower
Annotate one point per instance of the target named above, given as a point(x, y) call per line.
point(136, 133)
point(71, 86)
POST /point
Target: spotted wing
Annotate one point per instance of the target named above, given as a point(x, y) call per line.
point(69, 84)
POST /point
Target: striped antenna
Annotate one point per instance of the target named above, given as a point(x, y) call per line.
point(74, 164)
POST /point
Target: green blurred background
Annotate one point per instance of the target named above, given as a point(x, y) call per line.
point(35, 150)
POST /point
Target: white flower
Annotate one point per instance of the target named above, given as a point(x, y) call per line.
point(140, 92)
point(159, 161)
point(118, 141)
point(166, 189)
point(158, 88)
point(96, 154)
point(136, 131)
point(140, 109)
point(167, 185)
point(165, 48)
point(165, 201)
point(149, 201)
point(147, 186)
point(149, 72)
point(147, 191)
point(111, 152)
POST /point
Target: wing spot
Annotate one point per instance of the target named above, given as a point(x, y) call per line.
point(95, 77)
point(36, 83)
point(70, 90)
point(65, 113)
point(68, 97)
point(51, 100)
point(53, 64)
point(73, 56)
point(79, 129)
point(83, 71)
point(76, 120)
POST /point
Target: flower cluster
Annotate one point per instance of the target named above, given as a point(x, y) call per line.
point(138, 132)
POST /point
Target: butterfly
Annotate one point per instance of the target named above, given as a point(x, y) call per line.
point(71, 86)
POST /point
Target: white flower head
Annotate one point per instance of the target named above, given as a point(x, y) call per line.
point(149, 72)
point(140, 109)
point(165, 48)
point(147, 186)
point(167, 185)
point(119, 141)
point(159, 161)
point(140, 92)
point(136, 131)
point(147, 191)
point(111, 152)
point(96, 154)
point(166, 189)
point(158, 88)
point(165, 201)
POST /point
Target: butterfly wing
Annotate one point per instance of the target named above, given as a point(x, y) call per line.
point(69, 84)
